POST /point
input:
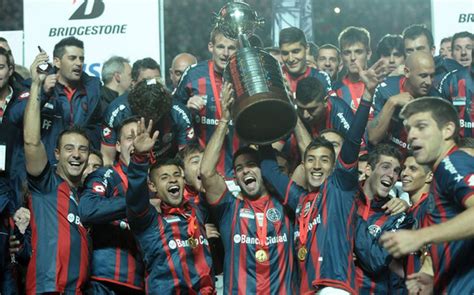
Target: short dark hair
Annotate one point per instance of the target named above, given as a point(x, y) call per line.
point(384, 149)
point(144, 64)
point(6, 53)
point(243, 151)
point(318, 142)
point(150, 99)
point(458, 35)
point(60, 47)
point(388, 43)
point(124, 122)
point(352, 35)
point(332, 130)
point(426, 168)
point(215, 31)
point(447, 39)
point(292, 35)
point(364, 157)
point(73, 130)
point(98, 153)
point(310, 89)
point(441, 110)
point(330, 46)
point(160, 162)
point(417, 30)
point(188, 150)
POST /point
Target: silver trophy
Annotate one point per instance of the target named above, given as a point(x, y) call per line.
point(262, 112)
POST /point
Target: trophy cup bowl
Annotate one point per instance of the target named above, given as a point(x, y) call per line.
point(262, 112)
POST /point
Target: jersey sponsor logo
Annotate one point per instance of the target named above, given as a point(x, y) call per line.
point(312, 224)
point(49, 105)
point(244, 239)
point(182, 113)
point(178, 243)
point(115, 113)
point(374, 230)
point(24, 95)
point(399, 142)
point(470, 180)
point(448, 166)
point(343, 120)
point(75, 219)
point(208, 121)
point(246, 213)
point(106, 132)
point(46, 124)
point(190, 133)
point(98, 188)
point(273, 215)
point(464, 124)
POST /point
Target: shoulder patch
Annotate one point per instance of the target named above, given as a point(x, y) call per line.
point(24, 95)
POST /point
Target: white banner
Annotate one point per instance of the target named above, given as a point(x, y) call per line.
point(128, 28)
point(451, 16)
point(15, 41)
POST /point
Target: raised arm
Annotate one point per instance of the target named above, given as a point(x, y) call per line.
point(137, 197)
point(35, 152)
point(213, 182)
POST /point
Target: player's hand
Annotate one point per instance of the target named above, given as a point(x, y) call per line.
point(395, 206)
point(400, 70)
point(211, 231)
point(22, 219)
point(401, 99)
point(143, 142)
point(419, 283)
point(196, 102)
point(14, 245)
point(36, 77)
point(402, 242)
point(50, 83)
point(226, 100)
point(373, 75)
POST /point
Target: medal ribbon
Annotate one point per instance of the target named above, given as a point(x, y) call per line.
point(216, 93)
point(304, 220)
point(261, 230)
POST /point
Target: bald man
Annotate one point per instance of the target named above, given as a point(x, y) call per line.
point(178, 66)
point(394, 92)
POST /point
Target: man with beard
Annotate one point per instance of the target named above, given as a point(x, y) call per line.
point(393, 93)
point(200, 90)
point(256, 232)
point(433, 133)
point(328, 60)
point(60, 250)
point(171, 232)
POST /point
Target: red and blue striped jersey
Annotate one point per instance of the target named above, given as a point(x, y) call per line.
point(201, 79)
point(331, 222)
point(338, 116)
point(172, 265)
point(391, 86)
point(238, 221)
point(351, 93)
point(453, 184)
point(60, 244)
point(378, 222)
point(102, 208)
point(418, 212)
point(458, 87)
point(310, 72)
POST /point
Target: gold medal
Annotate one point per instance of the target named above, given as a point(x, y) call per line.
point(193, 243)
point(302, 252)
point(261, 255)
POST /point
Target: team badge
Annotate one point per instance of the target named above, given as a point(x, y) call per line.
point(190, 133)
point(307, 206)
point(273, 215)
point(374, 230)
point(246, 213)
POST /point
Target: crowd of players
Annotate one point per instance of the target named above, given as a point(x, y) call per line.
point(132, 187)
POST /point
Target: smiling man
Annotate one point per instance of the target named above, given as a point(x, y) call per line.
point(255, 229)
point(60, 250)
point(293, 48)
point(433, 133)
point(394, 92)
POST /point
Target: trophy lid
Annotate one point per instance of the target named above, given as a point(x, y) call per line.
point(237, 18)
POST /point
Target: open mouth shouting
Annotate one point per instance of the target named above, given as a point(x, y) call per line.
point(174, 191)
